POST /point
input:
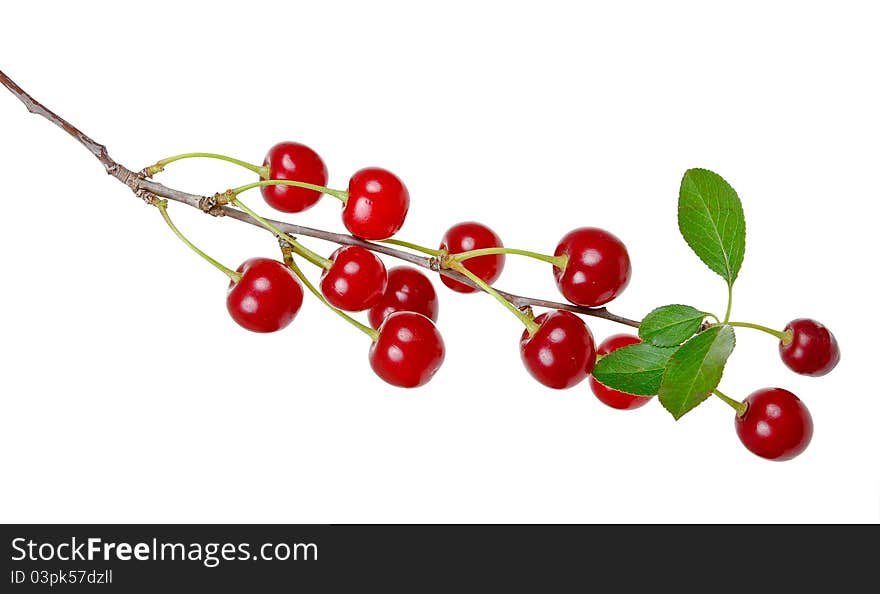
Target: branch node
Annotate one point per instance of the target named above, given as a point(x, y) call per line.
point(224, 198)
point(148, 197)
point(526, 309)
point(212, 205)
point(148, 172)
point(434, 264)
point(445, 260)
point(286, 251)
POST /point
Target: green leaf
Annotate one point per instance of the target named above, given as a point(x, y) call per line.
point(695, 369)
point(710, 218)
point(635, 369)
point(671, 325)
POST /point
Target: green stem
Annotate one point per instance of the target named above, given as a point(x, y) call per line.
point(785, 337)
point(160, 165)
point(729, 301)
point(412, 246)
point(739, 407)
point(373, 334)
point(163, 209)
point(525, 319)
point(559, 261)
point(340, 194)
point(713, 316)
point(299, 248)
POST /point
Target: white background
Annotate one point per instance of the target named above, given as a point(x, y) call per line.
point(128, 395)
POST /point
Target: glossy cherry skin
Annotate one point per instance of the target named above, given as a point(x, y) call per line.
point(813, 349)
point(464, 237)
point(409, 350)
point(293, 161)
point(355, 281)
point(561, 353)
point(615, 398)
point(598, 268)
point(776, 424)
point(377, 204)
point(407, 290)
point(267, 297)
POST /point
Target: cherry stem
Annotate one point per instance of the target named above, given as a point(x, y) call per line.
point(340, 194)
point(729, 301)
point(413, 246)
point(530, 324)
point(162, 205)
point(739, 407)
point(288, 260)
point(299, 248)
point(785, 337)
point(159, 166)
point(559, 261)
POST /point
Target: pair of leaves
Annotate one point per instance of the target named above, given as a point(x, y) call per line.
point(675, 360)
point(638, 369)
point(683, 376)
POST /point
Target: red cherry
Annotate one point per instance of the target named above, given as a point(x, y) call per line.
point(598, 268)
point(266, 298)
point(776, 424)
point(409, 350)
point(355, 281)
point(561, 353)
point(293, 161)
point(615, 398)
point(377, 204)
point(464, 237)
point(407, 290)
point(813, 349)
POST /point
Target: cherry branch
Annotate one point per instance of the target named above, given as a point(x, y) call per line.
point(151, 191)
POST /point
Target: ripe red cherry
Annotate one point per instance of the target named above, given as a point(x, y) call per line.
point(407, 290)
point(468, 236)
point(266, 298)
point(615, 398)
point(355, 281)
point(293, 161)
point(813, 349)
point(776, 424)
point(409, 350)
point(377, 204)
point(598, 268)
point(561, 353)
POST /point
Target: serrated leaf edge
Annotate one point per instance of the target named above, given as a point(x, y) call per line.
point(733, 346)
point(672, 350)
point(704, 315)
point(731, 275)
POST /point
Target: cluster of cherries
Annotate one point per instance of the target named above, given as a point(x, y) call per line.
point(591, 267)
point(557, 348)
